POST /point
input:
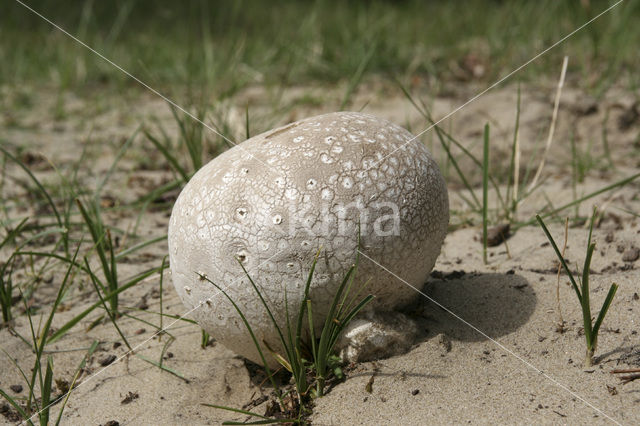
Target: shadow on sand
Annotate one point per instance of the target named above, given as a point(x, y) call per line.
point(496, 304)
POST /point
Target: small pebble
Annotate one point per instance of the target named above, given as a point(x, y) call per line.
point(415, 392)
point(16, 388)
point(498, 234)
point(631, 254)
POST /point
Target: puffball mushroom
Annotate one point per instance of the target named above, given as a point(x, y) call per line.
point(274, 200)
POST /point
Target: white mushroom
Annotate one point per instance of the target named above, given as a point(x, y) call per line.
point(272, 201)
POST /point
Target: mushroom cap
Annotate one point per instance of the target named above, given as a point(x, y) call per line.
point(274, 200)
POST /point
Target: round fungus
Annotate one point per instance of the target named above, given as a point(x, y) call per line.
point(274, 200)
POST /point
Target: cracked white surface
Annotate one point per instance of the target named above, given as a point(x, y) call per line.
point(272, 202)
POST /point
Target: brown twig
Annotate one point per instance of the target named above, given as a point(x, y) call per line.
point(630, 377)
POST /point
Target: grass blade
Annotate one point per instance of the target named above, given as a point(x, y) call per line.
point(247, 413)
point(133, 249)
point(66, 327)
point(163, 367)
point(485, 193)
point(454, 162)
point(552, 127)
point(514, 165)
point(603, 311)
point(312, 333)
point(586, 304)
point(173, 161)
point(110, 313)
point(16, 406)
point(346, 320)
point(266, 306)
point(560, 257)
point(445, 146)
point(342, 305)
point(98, 234)
point(473, 158)
point(248, 326)
point(303, 305)
point(247, 133)
point(46, 392)
point(56, 303)
point(40, 187)
point(357, 76)
point(113, 284)
point(607, 188)
point(90, 352)
point(117, 158)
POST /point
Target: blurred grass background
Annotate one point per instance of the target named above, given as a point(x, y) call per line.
point(223, 46)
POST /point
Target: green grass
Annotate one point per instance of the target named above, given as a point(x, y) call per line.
point(323, 361)
point(508, 190)
point(103, 245)
point(61, 222)
point(35, 245)
point(485, 191)
point(6, 272)
point(7, 267)
point(581, 288)
point(225, 46)
point(39, 339)
point(193, 138)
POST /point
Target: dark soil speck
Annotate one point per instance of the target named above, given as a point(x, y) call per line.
point(106, 360)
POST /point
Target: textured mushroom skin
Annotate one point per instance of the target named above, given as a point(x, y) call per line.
point(272, 201)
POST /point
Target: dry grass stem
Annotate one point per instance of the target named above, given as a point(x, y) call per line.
point(552, 128)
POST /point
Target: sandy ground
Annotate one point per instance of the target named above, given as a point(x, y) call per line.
point(496, 356)
point(490, 351)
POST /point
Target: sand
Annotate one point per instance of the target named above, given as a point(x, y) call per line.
point(490, 351)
